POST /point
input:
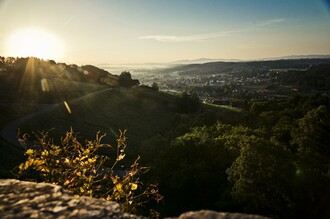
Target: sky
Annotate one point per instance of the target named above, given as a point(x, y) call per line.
point(159, 31)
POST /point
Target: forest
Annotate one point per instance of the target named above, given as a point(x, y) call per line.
point(275, 162)
point(269, 156)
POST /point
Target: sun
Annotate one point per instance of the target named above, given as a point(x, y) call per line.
point(31, 42)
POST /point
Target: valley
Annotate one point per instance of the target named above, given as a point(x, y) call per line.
point(204, 129)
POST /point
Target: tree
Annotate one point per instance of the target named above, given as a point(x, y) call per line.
point(125, 76)
point(125, 80)
point(155, 86)
point(261, 175)
point(313, 132)
point(52, 62)
point(311, 137)
point(192, 170)
point(188, 103)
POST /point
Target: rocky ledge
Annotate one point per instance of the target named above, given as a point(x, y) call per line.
point(20, 199)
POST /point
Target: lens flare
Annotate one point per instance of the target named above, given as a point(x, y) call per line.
point(44, 85)
point(67, 106)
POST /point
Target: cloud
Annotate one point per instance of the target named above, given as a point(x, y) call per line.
point(269, 22)
point(191, 38)
point(201, 37)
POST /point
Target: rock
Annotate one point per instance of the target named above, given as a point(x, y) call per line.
point(206, 214)
point(19, 199)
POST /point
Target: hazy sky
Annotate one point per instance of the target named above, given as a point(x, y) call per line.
point(142, 31)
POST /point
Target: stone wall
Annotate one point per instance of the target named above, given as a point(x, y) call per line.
point(20, 199)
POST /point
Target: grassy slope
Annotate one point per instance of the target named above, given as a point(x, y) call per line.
point(14, 107)
point(11, 155)
point(142, 112)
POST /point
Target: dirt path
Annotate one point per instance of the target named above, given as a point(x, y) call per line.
point(9, 132)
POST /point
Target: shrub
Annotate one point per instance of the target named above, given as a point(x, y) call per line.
point(83, 169)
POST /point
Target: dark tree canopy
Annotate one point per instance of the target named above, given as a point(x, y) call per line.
point(125, 80)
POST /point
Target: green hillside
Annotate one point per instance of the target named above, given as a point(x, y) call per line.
point(139, 111)
point(98, 101)
point(31, 85)
point(143, 112)
point(39, 81)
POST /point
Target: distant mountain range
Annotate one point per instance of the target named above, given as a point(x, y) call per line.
point(206, 60)
point(298, 57)
point(221, 66)
point(202, 61)
point(117, 68)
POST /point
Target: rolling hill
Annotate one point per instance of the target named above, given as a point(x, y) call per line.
point(33, 93)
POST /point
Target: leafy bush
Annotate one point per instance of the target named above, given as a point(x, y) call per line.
point(83, 169)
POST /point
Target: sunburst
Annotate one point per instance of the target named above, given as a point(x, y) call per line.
point(31, 42)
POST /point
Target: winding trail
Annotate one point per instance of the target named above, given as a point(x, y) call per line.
point(9, 132)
